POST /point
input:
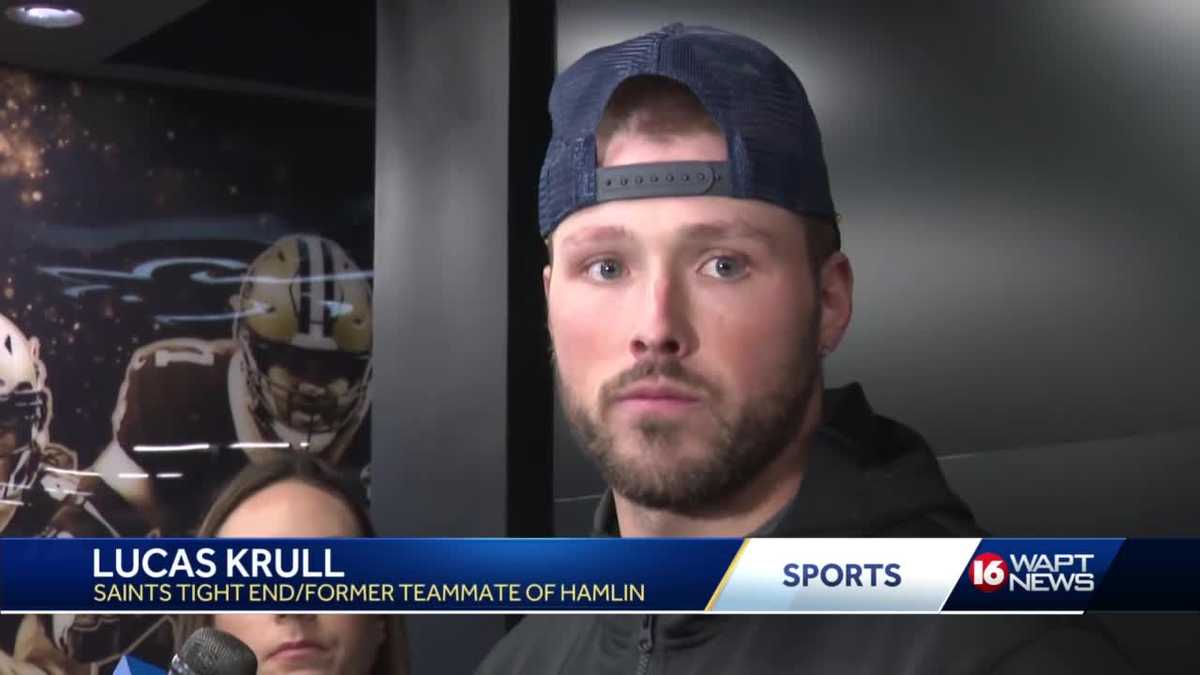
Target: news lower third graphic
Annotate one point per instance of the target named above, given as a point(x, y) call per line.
point(874, 576)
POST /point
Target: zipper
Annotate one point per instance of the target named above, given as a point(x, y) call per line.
point(645, 644)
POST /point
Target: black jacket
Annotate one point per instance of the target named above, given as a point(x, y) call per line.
point(867, 476)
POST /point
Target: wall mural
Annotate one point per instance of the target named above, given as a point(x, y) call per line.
point(185, 285)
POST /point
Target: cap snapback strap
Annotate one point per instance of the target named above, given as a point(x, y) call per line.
point(663, 179)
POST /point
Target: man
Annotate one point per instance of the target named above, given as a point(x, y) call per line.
point(695, 283)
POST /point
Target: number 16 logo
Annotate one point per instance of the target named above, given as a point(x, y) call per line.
point(988, 572)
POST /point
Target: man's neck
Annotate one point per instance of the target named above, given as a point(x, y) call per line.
point(741, 514)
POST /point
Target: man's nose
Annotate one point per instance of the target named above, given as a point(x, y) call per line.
point(664, 327)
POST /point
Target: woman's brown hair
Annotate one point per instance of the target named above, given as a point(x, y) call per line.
point(293, 466)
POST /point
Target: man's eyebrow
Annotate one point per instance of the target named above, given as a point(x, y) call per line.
point(726, 229)
point(596, 233)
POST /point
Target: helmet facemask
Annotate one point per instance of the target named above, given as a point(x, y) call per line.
point(24, 411)
point(310, 391)
point(23, 417)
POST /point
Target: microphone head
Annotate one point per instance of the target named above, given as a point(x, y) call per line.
point(212, 652)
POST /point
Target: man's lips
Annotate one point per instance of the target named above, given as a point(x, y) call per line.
point(298, 649)
point(657, 396)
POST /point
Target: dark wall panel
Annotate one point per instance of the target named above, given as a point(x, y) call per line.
point(441, 299)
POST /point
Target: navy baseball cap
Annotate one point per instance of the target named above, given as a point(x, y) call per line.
point(774, 145)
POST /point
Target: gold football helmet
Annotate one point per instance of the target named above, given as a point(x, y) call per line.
point(24, 411)
point(304, 331)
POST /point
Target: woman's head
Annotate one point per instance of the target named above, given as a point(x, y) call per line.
point(293, 495)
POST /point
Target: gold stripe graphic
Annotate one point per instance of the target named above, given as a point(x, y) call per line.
point(725, 579)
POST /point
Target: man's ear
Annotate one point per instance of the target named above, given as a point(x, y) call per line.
point(549, 262)
point(836, 298)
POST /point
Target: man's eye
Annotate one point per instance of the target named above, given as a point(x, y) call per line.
point(605, 270)
point(724, 267)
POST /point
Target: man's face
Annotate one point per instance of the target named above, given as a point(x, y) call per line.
point(306, 389)
point(305, 402)
point(11, 427)
point(8, 440)
point(684, 331)
point(11, 440)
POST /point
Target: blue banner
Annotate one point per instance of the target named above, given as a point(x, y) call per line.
point(362, 575)
point(109, 576)
point(1152, 575)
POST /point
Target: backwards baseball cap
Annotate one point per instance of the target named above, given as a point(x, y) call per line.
point(774, 145)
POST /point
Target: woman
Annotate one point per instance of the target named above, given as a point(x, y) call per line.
point(293, 495)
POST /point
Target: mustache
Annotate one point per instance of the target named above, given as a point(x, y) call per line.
point(668, 369)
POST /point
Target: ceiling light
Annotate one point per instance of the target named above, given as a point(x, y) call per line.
point(45, 16)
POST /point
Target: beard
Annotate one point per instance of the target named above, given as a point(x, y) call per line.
point(740, 446)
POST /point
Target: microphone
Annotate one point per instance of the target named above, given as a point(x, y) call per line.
point(212, 652)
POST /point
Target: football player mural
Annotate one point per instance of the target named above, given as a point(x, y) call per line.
point(35, 478)
point(32, 468)
point(294, 374)
point(185, 270)
point(191, 412)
